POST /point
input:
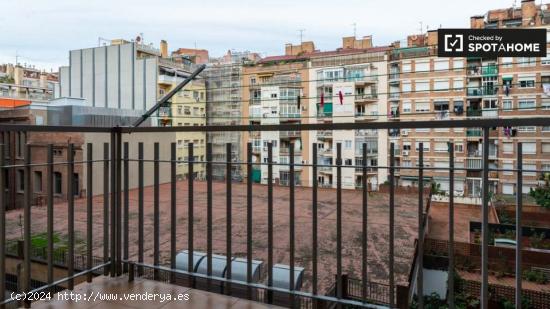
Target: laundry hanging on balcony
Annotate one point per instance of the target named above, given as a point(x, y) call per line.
point(322, 104)
point(341, 96)
point(546, 89)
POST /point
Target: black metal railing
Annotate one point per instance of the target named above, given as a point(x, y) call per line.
point(116, 165)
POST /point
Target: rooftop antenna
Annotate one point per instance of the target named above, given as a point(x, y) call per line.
point(301, 35)
point(421, 27)
point(354, 30)
point(16, 57)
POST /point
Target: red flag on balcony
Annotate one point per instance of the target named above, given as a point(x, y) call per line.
point(341, 97)
point(322, 104)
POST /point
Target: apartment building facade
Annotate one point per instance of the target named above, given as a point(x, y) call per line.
point(423, 86)
point(272, 92)
point(132, 76)
point(290, 89)
point(27, 82)
point(345, 87)
point(224, 96)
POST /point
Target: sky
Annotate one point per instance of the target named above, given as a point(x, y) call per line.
point(41, 32)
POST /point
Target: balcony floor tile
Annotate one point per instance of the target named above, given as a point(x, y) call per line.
point(120, 285)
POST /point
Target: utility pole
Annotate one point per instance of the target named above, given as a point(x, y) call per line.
point(301, 35)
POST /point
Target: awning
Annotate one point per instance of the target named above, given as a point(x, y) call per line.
point(415, 178)
point(507, 77)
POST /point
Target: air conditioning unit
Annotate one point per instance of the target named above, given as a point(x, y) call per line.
point(404, 133)
point(405, 152)
point(304, 108)
point(304, 161)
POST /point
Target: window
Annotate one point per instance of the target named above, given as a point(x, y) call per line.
point(20, 180)
point(507, 165)
point(508, 147)
point(458, 64)
point(37, 181)
point(406, 145)
point(527, 129)
point(442, 84)
point(407, 107)
point(524, 104)
point(531, 166)
point(441, 65)
point(422, 86)
point(347, 144)
point(426, 145)
point(422, 66)
point(526, 61)
point(545, 104)
point(406, 87)
point(421, 107)
point(441, 164)
point(507, 62)
point(253, 80)
point(529, 148)
point(348, 162)
point(459, 147)
point(441, 147)
point(57, 183)
point(545, 60)
point(507, 105)
point(526, 81)
point(458, 84)
point(406, 68)
point(546, 147)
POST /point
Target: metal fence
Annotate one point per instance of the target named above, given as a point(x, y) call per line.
point(116, 259)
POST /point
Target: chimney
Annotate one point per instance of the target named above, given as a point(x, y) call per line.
point(294, 50)
point(528, 12)
point(163, 49)
point(477, 22)
point(432, 37)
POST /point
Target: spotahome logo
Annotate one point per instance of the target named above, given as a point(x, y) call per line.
point(491, 43)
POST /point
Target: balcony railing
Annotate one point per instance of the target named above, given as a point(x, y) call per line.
point(134, 200)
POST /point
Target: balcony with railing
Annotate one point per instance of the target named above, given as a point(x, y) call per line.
point(137, 226)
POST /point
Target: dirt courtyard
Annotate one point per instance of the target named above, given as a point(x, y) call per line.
point(378, 227)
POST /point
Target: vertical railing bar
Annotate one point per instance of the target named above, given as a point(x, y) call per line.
point(339, 283)
point(391, 226)
point(228, 216)
point(140, 208)
point(249, 218)
point(113, 204)
point(420, 256)
point(314, 216)
point(126, 205)
point(105, 206)
point(209, 211)
point(229, 222)
point(451, 279)
point(118, 192)
point(27, 223)
point(3, 222)
point(291, 220)
point(270, 221)
point(49, 215)
point(173, 209)
point(364, 242)
point(485, 222)
point(190, 264)
point(70, 210)
point(89, 215)
point(156, 211)
point(519, 232)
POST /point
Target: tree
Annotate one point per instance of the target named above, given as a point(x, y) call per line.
point(541, 193)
